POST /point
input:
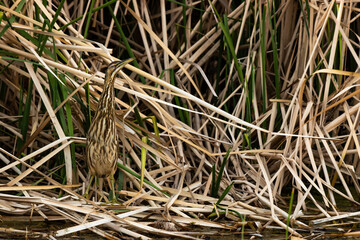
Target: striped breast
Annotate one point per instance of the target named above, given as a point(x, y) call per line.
point(102, 145)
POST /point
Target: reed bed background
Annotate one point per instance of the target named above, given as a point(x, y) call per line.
point(235, 116)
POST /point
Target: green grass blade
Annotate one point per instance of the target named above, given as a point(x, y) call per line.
point(128, 170)
point(176, 98)
point(263, 58)
point(184, 8)
point(274, 42)
point(125, 41)
point(221, 170)
point(217, 181)
point(139, 119)
point(213, 181)
point(87, 25)
point(224, 193)
point(12, 18)
point(88, 13)
point(155, 126)
point(143, 161)
point(225, 28)
point(70, 125)
point(306, 19)
point(24, 122)
point(289, 214)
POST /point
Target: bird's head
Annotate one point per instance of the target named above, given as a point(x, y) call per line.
point(115, 67)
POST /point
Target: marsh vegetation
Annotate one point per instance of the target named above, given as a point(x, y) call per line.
point(235, 116)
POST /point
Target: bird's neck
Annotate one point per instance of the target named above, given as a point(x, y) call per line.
point(106, 101)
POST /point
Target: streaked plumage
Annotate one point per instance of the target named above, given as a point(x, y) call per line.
point(102, 139)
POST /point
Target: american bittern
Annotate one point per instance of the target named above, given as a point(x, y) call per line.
point(102, 139)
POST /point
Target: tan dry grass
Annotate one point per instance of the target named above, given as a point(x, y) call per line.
point(313, 147)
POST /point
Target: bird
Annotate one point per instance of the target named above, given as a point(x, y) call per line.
point(102, 139)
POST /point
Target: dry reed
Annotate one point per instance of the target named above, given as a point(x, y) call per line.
point(274, 81)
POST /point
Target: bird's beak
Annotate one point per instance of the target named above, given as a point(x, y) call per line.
point(120, 64)
point(127, 61)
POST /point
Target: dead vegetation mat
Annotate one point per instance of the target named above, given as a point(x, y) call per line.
point(237, 116)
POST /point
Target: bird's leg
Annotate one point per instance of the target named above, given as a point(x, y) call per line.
point(88, 187)
point(101, 192)
point(111, 183)
point(113, 187)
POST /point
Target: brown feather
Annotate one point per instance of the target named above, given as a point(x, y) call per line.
point(102, 139)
